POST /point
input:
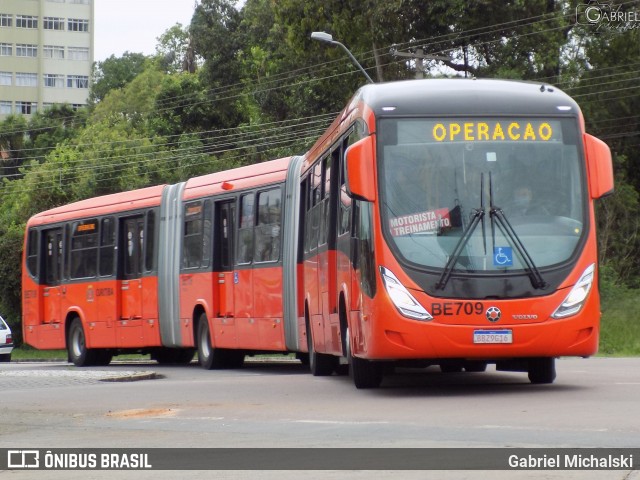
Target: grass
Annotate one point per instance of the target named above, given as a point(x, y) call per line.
point(620, 330)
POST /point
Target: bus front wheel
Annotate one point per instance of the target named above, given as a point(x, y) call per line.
point(542, 370)
point(365, 373)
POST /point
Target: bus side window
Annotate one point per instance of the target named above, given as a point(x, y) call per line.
point(150, 247)
point(267, 232)
point(245, 230)
point(207, 222)
point(52, 256)
point(192, 241)
point(32, 253)
point(344, 215)
point(84, 249)
point(107, 246)
point(324, 209)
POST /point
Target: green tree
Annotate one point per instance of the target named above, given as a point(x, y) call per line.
point(114, 73)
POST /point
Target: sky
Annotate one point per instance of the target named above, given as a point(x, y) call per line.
point(135, 25)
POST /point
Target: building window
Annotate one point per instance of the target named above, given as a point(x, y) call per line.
point(6, 49)
point(79, 2)
point(53, 80)
point(77, 81)
point(53, 23)
point(26, 21)
point(26, 50)
point(5, 107)
point(6, 78)
point(6, 20)
point(53, 51)
point(56, 1)
point(78, 106)
point(26, 79)
point(77, 25)
point(78, 53)
point(26, 108)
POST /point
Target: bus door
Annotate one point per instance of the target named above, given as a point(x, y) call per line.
point(52, 291)
point(243, 300)
point(130, 249)
point(223, 274)
point(328, 271)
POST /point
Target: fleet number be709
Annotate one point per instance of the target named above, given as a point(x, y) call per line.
point(457, 308)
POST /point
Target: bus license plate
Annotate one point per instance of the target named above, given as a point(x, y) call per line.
point(492, 336)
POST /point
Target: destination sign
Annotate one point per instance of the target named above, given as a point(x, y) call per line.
point(498, 130)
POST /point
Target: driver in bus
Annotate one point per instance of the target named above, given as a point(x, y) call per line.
point(523, 203)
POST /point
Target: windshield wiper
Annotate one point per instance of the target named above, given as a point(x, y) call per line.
point(476, 218)
point(496, 212)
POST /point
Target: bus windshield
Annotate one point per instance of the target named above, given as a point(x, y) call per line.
point(451, 189)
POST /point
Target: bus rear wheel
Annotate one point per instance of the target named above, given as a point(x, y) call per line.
point(206, 358)
point(210, 357)
point(79, 354)
point(542, 370)
point(320, 364)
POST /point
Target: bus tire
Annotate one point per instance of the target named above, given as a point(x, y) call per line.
point(79, 354)
point(364, 373)
point(542, 370)
point(210, 357)
point(320, 364)
point(206, 356)
point(103, 357)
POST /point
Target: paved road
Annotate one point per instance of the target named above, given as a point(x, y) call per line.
point(594, 403)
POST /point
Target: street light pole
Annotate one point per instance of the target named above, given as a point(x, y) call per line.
point(327, 38)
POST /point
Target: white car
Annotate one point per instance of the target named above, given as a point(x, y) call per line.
point(6, 341)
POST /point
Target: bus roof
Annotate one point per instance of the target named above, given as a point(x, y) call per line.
point(466, 97)
point(264, 173)
point(117, 202)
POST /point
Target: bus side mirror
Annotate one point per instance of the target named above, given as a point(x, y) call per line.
point(600, 166)
point(361, 181)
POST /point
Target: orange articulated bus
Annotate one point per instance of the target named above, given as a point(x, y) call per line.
point(436, 222)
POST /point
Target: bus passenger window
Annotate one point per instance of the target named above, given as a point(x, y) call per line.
point(32, 253)
point(107, 246)
point(206, 233)
point(192, 249)
point(84, 249)
point(245, 230)
point(267, 232)
point(151, 237)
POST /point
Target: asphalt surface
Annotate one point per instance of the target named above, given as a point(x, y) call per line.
point(593, 403)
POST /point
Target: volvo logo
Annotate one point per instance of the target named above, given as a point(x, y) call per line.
point(493, 314)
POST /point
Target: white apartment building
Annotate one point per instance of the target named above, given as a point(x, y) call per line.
point(46, 54)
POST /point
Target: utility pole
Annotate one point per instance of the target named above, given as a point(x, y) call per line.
point(419, 56)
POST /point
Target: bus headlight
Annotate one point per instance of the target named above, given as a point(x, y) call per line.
point(577, 296)
point(406, 303)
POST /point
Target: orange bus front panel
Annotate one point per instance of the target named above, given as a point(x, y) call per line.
point(389, 335)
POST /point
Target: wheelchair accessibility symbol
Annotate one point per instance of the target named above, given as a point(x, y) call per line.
point(502, 257)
